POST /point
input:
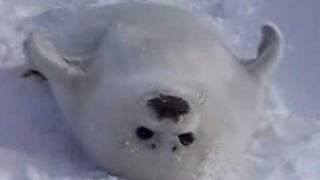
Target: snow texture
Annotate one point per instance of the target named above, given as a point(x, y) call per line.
point(34, 141)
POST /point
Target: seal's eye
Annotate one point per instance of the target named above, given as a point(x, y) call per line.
point(186, 139)
point(144, 133)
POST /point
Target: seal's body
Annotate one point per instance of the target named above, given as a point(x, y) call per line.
point(150, 90)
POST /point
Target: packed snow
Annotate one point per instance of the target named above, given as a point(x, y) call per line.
point(35, 143)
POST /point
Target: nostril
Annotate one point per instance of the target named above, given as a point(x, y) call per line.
point(166, 106)
point(186, 139)
point(144, 133)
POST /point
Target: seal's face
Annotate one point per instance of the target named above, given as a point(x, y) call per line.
point(146, 129)
point(163, 107)
point(159, 95)
point(161, 124)
point(152, 125)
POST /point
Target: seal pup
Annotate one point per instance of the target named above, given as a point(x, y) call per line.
point(151, 91)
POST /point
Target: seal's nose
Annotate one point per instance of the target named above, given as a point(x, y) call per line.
point(169, 107)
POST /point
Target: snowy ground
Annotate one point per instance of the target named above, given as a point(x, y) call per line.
point(287, 146)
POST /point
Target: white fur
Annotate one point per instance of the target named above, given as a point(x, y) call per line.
point(104, 63)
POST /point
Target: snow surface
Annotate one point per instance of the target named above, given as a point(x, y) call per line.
point(34, 141)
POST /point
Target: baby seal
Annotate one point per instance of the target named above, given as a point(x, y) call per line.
point(150, 91)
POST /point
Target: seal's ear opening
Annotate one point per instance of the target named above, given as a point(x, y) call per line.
point(269, 52)
point(45, 58)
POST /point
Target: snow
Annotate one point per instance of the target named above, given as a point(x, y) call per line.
point(34, 141)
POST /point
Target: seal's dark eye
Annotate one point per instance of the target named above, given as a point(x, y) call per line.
point(144, 133)
point(186, 139)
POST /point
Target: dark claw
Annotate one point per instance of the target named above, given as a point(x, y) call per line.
point(33, 73)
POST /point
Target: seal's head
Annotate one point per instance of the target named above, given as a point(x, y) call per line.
point(159, 91)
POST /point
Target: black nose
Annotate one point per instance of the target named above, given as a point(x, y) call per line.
point(171, 107)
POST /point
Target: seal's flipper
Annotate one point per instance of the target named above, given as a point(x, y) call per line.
point(45, 58)
point(33, 73)
point(269, 52)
